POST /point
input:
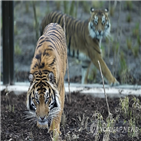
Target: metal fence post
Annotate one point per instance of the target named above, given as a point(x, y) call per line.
point(8, 43)
point(11, 40)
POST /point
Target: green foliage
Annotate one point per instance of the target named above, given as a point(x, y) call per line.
point(71, 11)
point(73, 8)
point(27, 7)
point(75, 13)
point(122, 61)
point(124, 103)
point(98, 118)
point(134, 130)
point(136, 30)
point(135, 51)
point(107, 40)
point(139, 40)
point(48, 7)
point(112, 10)
point(131, 109)
point(128, 18)
point(129, 43)
point(17, 49)
point(103, 127)
point(15, 29)
point(136, 109)
point(92, 75)
point(66, 6)
point(117, 47)
point(128, 113)
point(129, 5)
point(38, 12)
point(85, 5)
point(123, 71)
point(102, 51)
point(97, 4)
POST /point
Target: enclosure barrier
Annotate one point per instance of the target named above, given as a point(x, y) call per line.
point(8, 42)
point(95, 90)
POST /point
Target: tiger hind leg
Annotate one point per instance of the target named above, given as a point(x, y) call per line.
point(85, 66)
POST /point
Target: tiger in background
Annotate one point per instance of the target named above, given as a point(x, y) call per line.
point(86, 36)
point(45, 97)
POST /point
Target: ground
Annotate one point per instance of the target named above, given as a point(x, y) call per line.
point(79, 119)
point(121, 52)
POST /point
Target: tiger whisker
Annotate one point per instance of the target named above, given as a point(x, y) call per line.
point(28, 117)
point(32, 124)
point(32, 119)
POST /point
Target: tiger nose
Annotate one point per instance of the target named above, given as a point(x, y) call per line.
point(42, 118)
point(99, 32)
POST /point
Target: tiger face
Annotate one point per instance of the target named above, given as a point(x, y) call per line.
point(43, 100)
point(99, 24)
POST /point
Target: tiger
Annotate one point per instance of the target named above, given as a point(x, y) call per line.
point(45, 96)
point(86, 36)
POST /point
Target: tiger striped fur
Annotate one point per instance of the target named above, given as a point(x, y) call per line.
point(45, 97)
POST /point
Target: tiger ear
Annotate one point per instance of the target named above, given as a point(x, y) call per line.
point(51, 77)
point(30, 77)
point(106, 11)
point(92, 10)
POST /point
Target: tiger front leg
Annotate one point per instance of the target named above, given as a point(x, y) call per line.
point(105, 70)
point(55, 124)
point(55, 128)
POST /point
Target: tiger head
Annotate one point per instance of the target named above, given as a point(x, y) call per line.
point(43, 101)
point(99, 24)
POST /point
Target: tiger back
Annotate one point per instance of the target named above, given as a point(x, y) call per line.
point(45, 97)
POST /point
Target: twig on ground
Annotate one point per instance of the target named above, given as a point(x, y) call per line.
point(104, 89)
point(107, 134)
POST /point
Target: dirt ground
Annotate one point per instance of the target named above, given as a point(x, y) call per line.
point(78, 121)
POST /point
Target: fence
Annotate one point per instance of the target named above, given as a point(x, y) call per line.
point(8, 42)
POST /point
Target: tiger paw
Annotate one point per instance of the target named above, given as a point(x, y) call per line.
point(115, 83)
point(55, 135)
